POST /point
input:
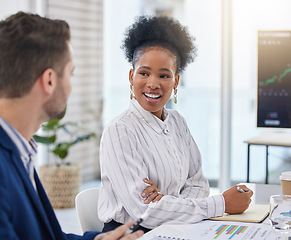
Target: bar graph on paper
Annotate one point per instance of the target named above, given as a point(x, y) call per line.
point(224, 230)
point(229, 231)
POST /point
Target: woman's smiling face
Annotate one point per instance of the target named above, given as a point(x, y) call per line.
point(154, 78)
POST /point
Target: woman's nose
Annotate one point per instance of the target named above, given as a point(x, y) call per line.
point(153, 82)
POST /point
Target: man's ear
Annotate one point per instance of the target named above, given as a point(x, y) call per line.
point(48, 81)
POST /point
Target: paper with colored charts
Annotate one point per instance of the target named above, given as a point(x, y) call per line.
point(222, 230)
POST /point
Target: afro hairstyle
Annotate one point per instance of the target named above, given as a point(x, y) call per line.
point(163, 32)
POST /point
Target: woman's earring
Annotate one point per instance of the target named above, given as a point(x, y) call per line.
point(175, 95)
point(131, 92)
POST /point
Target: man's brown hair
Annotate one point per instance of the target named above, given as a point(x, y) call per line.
point(30, 44)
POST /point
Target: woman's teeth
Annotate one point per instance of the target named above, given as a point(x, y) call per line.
point(154, 96)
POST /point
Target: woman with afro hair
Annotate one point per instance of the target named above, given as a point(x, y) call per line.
point(150, 163)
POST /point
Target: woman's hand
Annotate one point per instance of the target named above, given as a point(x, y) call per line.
point(237, 202)
point(120, 233)
point(151, 193)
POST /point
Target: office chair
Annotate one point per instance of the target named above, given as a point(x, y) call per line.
point(87, 209)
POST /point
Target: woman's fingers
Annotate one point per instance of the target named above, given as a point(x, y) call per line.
point(151, 193)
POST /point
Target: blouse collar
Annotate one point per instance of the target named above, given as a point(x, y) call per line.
point(150, 119)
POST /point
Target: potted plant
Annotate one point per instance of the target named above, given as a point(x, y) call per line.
point(60, 178)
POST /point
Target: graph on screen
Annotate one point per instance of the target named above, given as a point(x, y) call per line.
point(274, 79)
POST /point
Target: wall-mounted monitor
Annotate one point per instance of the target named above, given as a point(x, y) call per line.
point(274, 79)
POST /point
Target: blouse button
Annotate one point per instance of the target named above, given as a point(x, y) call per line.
point(166, 131)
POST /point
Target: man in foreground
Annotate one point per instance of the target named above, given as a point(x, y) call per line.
point(36, 65)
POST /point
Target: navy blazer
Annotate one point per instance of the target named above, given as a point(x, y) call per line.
point(24, 213)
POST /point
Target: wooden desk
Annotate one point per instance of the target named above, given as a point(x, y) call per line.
point(267, 139)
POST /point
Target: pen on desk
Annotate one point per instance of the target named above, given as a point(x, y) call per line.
point(136, 224)
point(240, 189)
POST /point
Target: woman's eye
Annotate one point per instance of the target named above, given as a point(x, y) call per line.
point(143, 74)
point(164, 76)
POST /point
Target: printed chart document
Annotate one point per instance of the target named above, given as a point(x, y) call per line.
point(255, 213)
point(223, 230)
point(226, 230)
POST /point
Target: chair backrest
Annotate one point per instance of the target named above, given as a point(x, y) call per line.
point(87, 210)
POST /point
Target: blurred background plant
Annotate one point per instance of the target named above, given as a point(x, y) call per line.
point(71, 132)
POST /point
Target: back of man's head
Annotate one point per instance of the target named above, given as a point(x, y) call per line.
point(30, 44)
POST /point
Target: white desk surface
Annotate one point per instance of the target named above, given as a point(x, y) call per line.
point(262, 193)
point(174, 231)
point(271, 139)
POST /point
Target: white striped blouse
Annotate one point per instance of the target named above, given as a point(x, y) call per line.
point(138, 145)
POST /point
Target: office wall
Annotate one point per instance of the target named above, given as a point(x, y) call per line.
point(85, 103)
point(12, 6)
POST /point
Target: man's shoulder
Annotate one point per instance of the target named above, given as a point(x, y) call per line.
point(5, 141)
point(8, 150)
point(6, 156)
